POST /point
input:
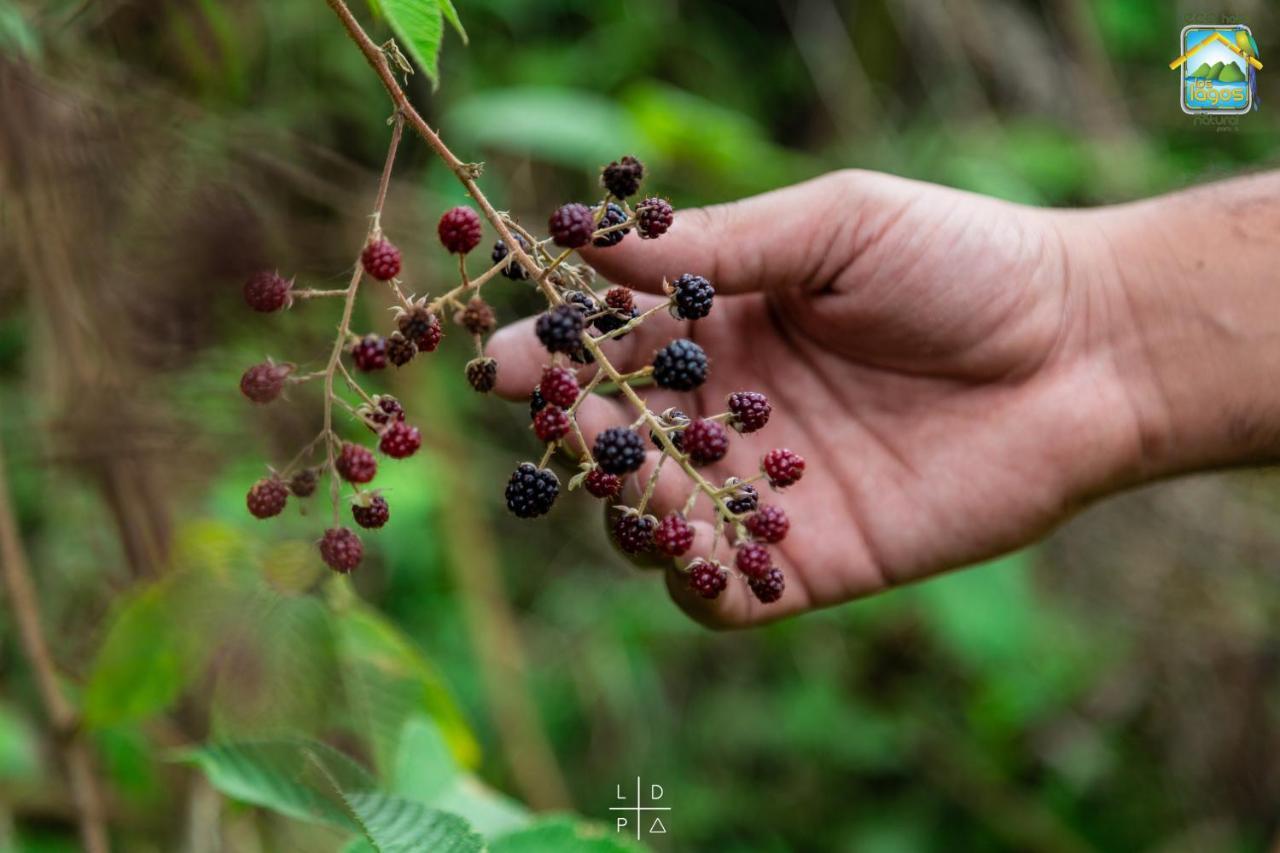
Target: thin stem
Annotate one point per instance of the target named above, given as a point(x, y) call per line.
point(317, 294)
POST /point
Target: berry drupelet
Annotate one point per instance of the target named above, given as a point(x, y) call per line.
point(501, 253)
point(482, 374)
point(460, 230)
point(749, 411)
point(619, 450)
point(531, 490)
point(381, 259)
point(264, 382)
point(705, 441)
point(602, 484)
point(769, 587)
point(634, 532)
point(560, 329)
point(356, 464)
point(399, 440)
point(613, 215)
point(691, 296)
point(371, 511)
point(680, 366)
point(267, 292)
point(707, 579)
point(421, 327)
point(674, 535)
point(622, 177)
point(559, 386)
point(267, 497)
point(770, 524)
point(783, 467)
point(370, 353)
point(654, 217)
point(341, 549)
point(753, 559)
point(551, 424)
point(571, 225)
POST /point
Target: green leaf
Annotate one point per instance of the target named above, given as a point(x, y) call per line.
point(396, 825)
point(564, 835)
point(419, 27)
point(17, 38)
point(451, 13)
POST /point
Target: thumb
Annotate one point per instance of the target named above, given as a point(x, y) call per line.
point(779, 239)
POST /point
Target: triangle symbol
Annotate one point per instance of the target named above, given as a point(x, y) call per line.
point(657, 828)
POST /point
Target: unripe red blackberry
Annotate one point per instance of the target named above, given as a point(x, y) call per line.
point(620, 299)
point(560, 329)
point(513, 270)
point(770, 524)
point(602, 484)
point(531, 490)
point(749, 411)
point(551, 424)
point(680, 366)
point(341, 549)
point(559, 386)
point(743, 498)
point(571, 225)
point(356, 464)
point(460, 230)
point(634, 532)
point(267, 291)
point(477, 318)
point(613, 215)
point(783, 467)
point(370, 353)
point(619, 450)
point(267, 497)
point(705, 441)
point(769, 587)
point(400, 350)
point(675, 421)
point(381, 260)
point(691, 296)
point(536, 402)
point(753, 559)
point(707, 579)
point(371, 511)
point(399, 440)
point(264, 382)
point(622, 177)
point(303, 483)
point(482, 373)
point(421, 327)
point(674, 535)
point(654, 217)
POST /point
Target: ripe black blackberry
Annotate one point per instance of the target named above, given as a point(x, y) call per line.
point(536, 402)
point(749, 411)
point(680, 366)
point(783, 467)
point(303, 483)
point(513, 270)
point(770, 524)
point(264, 382)
point(753, 559)
point(654, 217)
point(477, 318)
point(705, 441)
point(769, 587)
point(560, 329)
point(531, 490)
point(356, 464)
point(692, 296)
point(707, 579)
point(603, 485)
point(673, 535)
point(619, 450)
point(482, 373)
point(370, 353)
point(267, 497)
point(421, 327)
point(675, 421)
point(613, 215)
point(341, 549)
point(559, 386)
point(634, 532)
point(267, 291)
point(385, 409)
point(551, 424)
point(743, 498)
point(371, 511)
point(399, 440)
point(571, 225)
point(622, 177)
point(460, 230)
point(381, 260)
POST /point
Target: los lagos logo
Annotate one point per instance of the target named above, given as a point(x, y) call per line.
point(1219, 68)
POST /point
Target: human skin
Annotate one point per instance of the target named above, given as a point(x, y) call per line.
point(962, 374)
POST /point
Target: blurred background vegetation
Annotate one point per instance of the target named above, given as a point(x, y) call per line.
point(1117, 688)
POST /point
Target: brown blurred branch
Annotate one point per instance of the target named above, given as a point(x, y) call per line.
point(25, 607)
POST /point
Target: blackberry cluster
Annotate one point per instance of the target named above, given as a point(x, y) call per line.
point(460, 230)
point(634, 532)
point(705, 441)
point(341, 549)
point(400, 350)
point(560, 329)
point(622, 177)
point(371, 511)
point(356, 464)
point(267, 292)
point(267, 497)
point(749, 411)
point(614, 215)
point(482, 374)
point(571, 225)
point(370, 353)
point(399, 440)
point(680, 366)
point(531, 490)
point(478, 317)
point(619, 450)
point(692, 296)
point(422, 327)
point(654, 217)
point(265, 382)
point(381, 260)
point(707, 579)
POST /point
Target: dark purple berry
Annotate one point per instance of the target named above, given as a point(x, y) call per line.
point(634, 532)
point(536, 402)
point(674, 535)
point(267, 291)
point(531, 490)
point(551, 424)
point(602, 484)
point(303, 483)
point(743, 498)
point(460, 230)
point(707, 579)
point(783, 467)
point(341, 549)
point(356, 464)
point(705, 441)
point(753, 559)
point(370, 353)
point(264, 382)
point(477, 318)
point(482, 373)
point(770, 524)
point(653, 217)
point(571, 225)
point(622, 177)
point(692, 296)
point(749, 411)
point(421, 327)
point(675, 421)
point(680, 366)
point(513, 270)
point(619, 450)
point(768, 588)
point(560, 329)
point(613, 215)
point(399, 440)
point(267, 497)
point(559, 386)
point(371, 511)
point(381, 260)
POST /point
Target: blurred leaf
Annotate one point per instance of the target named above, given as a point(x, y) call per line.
point(17, 38)
point(18, 758)
point(419, 28)
point(397, 825)
point(564, 835)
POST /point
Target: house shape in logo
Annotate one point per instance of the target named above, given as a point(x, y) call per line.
point(1219, 70)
